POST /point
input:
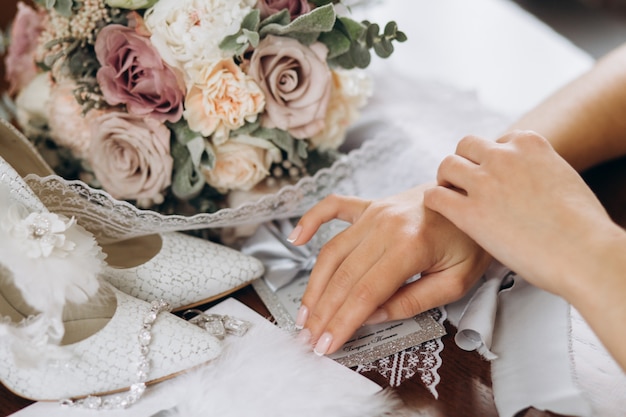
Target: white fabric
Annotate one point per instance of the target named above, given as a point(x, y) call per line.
point(596, 372)
point(532, 343)
point(476, 323)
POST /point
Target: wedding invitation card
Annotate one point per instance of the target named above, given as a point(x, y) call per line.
point(369, 343)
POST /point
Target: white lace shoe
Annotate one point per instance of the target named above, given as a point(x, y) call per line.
point(63, 333)
point(183, 270)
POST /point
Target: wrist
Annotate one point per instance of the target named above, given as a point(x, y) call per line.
point(596, 275)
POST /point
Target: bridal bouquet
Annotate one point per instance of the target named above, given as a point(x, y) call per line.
point(174, 104)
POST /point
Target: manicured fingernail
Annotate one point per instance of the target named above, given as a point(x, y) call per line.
point(377, 317)
point(322, 345)
point(295, 233)
point(304, 336)
point(303, 314)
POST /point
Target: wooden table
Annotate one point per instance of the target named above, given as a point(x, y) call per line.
point(465, 387)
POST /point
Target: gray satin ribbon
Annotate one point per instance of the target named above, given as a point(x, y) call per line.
point(283, 261)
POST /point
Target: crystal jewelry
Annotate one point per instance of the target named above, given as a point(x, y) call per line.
point(218, 325)
point(136, 390)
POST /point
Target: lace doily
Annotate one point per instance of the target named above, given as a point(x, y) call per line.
point(423, 360)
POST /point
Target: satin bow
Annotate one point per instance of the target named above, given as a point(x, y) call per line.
point(283, 261)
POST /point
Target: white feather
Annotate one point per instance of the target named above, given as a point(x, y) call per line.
point(46, 281)
point(272, 375)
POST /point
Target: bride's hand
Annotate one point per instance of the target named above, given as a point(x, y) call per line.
point(359, 274)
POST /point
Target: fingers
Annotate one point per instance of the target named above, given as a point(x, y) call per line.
point(352, 308)
point(473, 148)
point(456, 172)
point(433, 290)
point(331, 207)
point(344, 258)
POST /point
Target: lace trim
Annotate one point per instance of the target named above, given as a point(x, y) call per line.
point(423, 360)
point(112, 220)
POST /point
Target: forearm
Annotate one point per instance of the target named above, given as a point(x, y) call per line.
point(596, 287)
point(585, 121)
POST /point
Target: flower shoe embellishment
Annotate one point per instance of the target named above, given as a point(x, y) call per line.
point(44, 234)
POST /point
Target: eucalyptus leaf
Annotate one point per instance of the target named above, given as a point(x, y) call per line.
point(391, 28)
point(360, 55)
point(383, 48)
point(336, 42)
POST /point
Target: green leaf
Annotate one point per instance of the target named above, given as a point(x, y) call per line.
point(251, 21)
point(281, 18)
point(316, 21)
point(187, 179)
point(302, 149)
point(319, 3)
point(336, 42)
point(352, 28)
point(64, 7)
point(390, 29)
point(247, 35)
point(383, 48)
point(401, 37)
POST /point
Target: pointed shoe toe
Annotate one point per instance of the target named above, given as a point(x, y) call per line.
point(111, 361)
point(186, 271)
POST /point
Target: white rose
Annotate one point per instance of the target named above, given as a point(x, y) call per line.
point(349, 93)
point(189, 31)
point(31, 105)
point(241, 163)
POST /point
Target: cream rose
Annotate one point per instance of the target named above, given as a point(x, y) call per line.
point(68, 126)
point(190, 31)
point(296, 81)
point(222, 99)
point(241, 163)
point(130, 156)
point(349, 93)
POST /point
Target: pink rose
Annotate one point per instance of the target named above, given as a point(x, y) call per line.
point(130, 156)
point(296, 81)
point(20, 59)
point(295, 7)
point(134, 74)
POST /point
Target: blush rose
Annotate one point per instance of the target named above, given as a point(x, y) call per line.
point(296, 82)
point(134, 74)
point(130, 156)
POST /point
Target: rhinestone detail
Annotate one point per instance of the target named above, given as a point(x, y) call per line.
point(136, 390)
